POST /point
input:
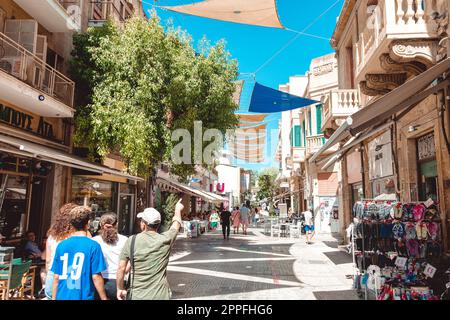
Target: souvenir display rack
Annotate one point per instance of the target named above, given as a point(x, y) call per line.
point(385, 230)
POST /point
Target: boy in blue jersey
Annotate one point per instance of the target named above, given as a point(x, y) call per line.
point(78, 262)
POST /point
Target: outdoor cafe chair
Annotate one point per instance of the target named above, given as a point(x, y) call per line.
point(294, 231)
point(275, 228)
point(21, 281)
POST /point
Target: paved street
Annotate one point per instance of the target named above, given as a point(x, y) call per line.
point(258, 267)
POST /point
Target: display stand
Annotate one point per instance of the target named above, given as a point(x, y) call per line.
point(376, 218)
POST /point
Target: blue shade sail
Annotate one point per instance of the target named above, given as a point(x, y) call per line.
point(268, 100)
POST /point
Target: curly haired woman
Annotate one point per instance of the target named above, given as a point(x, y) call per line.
point(59, 231)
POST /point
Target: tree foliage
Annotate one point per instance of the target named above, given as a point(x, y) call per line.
point(266, 183)
point(138, 82)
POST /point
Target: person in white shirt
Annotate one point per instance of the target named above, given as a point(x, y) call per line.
point(111, 243)
point(309, 226)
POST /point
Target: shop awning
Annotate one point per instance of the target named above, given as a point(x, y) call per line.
point(33, 150)
point(253, 12)
point(382, 109)
point(268, 100)
point(167, 184)
point(352, 143)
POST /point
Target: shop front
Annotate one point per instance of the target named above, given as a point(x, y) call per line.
point(104, 196)
point(29, 185)
point(36, 180)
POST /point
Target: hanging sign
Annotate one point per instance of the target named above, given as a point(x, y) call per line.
point(401, 262)
point(429, 271)
point(429, 203)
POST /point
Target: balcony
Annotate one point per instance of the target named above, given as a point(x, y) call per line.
point(117, 10)
point(397, 21)
point(339, 105)
point(29, 83)
point(298, 154)
point(314, 143)
point(54, 15)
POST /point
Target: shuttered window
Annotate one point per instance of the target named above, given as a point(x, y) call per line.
point(319, 119)
point(297, 136)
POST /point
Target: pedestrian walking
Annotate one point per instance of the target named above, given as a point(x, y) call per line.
point(256, 217)
point(236, 218)
point(78, 262)
point(225, 216)
point(148, 252)
point(309, 226)
point(244, 213)
point(111, 243)
point(59, 231)
point(214, 220)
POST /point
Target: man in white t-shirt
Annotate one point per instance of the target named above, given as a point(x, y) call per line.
point(309, 226)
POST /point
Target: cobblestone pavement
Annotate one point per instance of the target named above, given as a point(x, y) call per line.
point(258, 267)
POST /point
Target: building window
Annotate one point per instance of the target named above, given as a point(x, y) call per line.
point(427, 168)
point(296, 139)
point(319, 119)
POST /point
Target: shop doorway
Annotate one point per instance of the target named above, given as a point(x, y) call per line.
point(427, 168)
point(126, 214)
point(35, 222)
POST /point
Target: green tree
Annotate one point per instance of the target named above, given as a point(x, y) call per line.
point(266, 183)
point(138, 82)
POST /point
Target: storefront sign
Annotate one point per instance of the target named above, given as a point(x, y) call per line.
point(26, 122)
point(380, 157)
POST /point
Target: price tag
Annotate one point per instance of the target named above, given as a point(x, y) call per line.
point(401, 262)
point(429, 271)
point(429, 203)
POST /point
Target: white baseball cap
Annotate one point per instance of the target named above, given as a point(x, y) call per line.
point(150, 216)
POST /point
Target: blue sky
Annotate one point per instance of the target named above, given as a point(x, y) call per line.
point(252, 46)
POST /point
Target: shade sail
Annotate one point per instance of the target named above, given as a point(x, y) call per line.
point(252, 117)
point(268, 100)
point(33, 150)
point(261, 13)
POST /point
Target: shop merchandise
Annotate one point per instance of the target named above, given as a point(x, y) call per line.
point(385, 230)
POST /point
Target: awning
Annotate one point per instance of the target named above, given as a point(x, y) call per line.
point(167, 184)
point(382, 109)
point(30, 149)
point(268, 100)
point(352, 143)
point(253, 12)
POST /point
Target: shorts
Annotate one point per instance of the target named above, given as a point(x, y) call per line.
point(309, 228)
